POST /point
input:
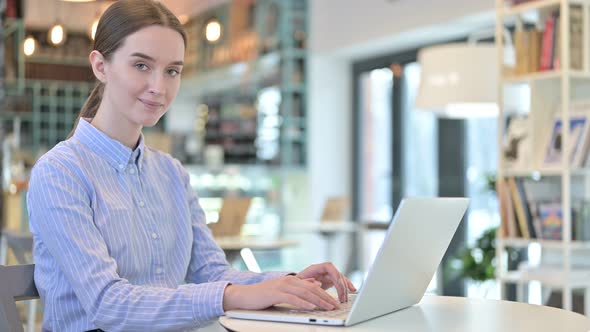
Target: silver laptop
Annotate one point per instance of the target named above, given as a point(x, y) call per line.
point(414, 245)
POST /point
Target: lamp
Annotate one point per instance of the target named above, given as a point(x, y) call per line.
point(213, 30)
point(29, 46)
point(460, 80)
point(57, 34)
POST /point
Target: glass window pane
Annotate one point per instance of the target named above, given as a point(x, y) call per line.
point(376, 159)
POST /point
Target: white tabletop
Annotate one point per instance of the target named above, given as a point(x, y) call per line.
point(239, 242)
point(445, 314)
point(325, 227)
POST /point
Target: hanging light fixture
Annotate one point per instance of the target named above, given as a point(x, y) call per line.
point(93, 28)
point(213, 30)
point(460, 80)
point(57, 34)
point(29, 46)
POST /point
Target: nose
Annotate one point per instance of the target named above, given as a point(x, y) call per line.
point(157, 86)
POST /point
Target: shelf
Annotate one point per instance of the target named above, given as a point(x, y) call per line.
point(535, 5)
point(549, 244)
point(535, 173)
point(66, 61)
point(548, 276)
point(545, 75)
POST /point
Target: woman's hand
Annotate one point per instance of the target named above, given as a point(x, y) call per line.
point(305, 294)
point(328, 275)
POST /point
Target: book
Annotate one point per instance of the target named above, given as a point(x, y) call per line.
point(551, 220)
point(547, 46)
point(521, 47)
point(520, 208)
point(579, 124)
point(508, 223)
point(535, 38)
point(576, 37)
point(525, 207)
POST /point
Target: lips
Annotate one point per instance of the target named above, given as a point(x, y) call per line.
point(153, 105)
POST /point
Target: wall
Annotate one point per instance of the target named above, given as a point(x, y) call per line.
point(342, 31)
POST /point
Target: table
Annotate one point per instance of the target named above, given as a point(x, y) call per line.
point(440, 313)
point(328, 230)
point(239, 246)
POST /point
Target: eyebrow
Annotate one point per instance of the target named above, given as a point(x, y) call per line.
point(147, 57)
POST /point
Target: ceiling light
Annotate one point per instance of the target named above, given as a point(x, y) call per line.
point(458, 80)
point(57, 35)
point(93, 28)
point(29, 46)
point(213, 31)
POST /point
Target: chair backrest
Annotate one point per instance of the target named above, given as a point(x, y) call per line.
point(21, 245)
point(17, 284)
point(336, 209)
point(232, 216)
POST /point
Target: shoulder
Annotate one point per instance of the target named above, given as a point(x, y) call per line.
point(165, 160)
point(63, 159)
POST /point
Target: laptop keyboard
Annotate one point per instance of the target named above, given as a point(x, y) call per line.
point(344, 308)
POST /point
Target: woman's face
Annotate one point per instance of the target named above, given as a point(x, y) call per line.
point(143, 75)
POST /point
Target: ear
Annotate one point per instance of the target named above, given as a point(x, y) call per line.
point(98, 62)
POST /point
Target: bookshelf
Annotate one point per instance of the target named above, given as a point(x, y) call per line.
point(556, 71)
point(262, 52)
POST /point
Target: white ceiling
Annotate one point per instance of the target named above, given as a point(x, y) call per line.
point(79, 16)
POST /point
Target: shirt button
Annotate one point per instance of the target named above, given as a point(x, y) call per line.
point(154, 236)
point(131, 171)
point(121, 166)
point(141, 203)
point(159, 270)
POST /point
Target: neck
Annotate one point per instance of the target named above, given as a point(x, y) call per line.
point(117, 127)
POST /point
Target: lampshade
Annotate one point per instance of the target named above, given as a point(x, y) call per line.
point(458, 80)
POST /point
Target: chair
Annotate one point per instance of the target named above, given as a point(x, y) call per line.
point(336, 209)
point(232, 217)
point(21, 245)
point(17, 284)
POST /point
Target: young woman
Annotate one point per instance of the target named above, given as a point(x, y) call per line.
point(121, 242)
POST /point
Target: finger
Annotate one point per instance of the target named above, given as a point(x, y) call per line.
point(321, 293)
point(336, 278)
point(308, 296)
point(313, 281)
point(350, 285)
point(296, 301)
point(344, 286)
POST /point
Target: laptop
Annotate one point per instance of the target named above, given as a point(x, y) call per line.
point(416, 240)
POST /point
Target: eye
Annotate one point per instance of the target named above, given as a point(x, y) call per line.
point(141, 66)
point(173, 72)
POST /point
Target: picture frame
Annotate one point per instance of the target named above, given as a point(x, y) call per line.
point(516, 147)
point(579, 123)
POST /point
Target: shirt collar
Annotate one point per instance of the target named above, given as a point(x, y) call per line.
point(114, 152)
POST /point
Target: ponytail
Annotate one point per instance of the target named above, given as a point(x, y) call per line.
point(90, 106)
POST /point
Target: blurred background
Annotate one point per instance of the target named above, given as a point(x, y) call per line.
point(304, 123)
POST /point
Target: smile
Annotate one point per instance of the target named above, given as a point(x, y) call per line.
point(151, 104)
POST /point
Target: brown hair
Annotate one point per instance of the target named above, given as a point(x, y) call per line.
point(120, 20)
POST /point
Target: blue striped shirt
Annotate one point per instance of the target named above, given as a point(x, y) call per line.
point(121, 242)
